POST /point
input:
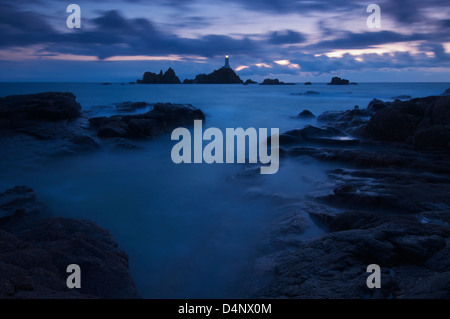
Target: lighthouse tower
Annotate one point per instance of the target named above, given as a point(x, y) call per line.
point(227, 62)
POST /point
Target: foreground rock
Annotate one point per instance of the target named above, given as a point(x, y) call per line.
point(36, 248)
point(250, 81)
point(169, 77)
point(306, 114)
point(159, 120)
point(17, 111)
point(274, 82)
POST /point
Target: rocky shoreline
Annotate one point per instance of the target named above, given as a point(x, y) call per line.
point(36, 246)
point(387, 205)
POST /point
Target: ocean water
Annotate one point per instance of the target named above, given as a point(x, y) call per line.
point(190, 229)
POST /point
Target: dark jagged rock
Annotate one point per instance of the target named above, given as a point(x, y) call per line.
point(306, 114)
point(36, 248)
point(159, 120)
point(410, 253)
point(274, 82)
point(338, 81)
point(250, 81)
point(389, 205)
point(169, 77)
point(220, 76)
point(446, 92)
point(423, 122)
point(18, 111)
point(308, 83)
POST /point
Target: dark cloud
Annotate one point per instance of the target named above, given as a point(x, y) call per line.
point(350, 40)
point(286, 37)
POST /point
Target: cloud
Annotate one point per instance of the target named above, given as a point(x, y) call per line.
point(286, 37)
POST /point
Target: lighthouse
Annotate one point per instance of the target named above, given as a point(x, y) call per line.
point(227, 62)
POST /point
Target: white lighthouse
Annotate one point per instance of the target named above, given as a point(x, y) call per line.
point(227, 62)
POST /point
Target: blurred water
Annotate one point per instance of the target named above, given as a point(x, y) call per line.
point(188, 229)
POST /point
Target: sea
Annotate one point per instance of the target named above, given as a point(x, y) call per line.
point(190, 230)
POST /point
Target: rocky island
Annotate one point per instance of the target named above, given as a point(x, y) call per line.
point(169, 77)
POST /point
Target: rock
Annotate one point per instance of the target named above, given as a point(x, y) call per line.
point(333, 265)
point(306, 93)
point(159, 120)
point(376, 105)
point(249, 81)
point(17, 111)
point(338, 81)
point(36, 249)
point(312, 134)
point(169, 77)
point(308, 83)
point(106, 83)
point(306, 114)
point(274, 82)
point(389, 125)
point(446, 92)
point(220, 76)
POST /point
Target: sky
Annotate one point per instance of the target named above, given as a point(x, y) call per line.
point(294, 41)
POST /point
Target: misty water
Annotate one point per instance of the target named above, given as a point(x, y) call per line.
point(188, 229)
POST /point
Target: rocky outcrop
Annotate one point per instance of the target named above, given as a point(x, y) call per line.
point(446, 92)
point(220, 76)
point(308, 83)
point(388, 204)
point(309, 93)
point(274, 82)
point(250, 81)
point(422, 122)
point(169, 77)
point(36, 248)
point(159, 120)
point(338, 81)
point(18, 111)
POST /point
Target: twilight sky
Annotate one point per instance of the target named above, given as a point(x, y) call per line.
point(293, 40)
